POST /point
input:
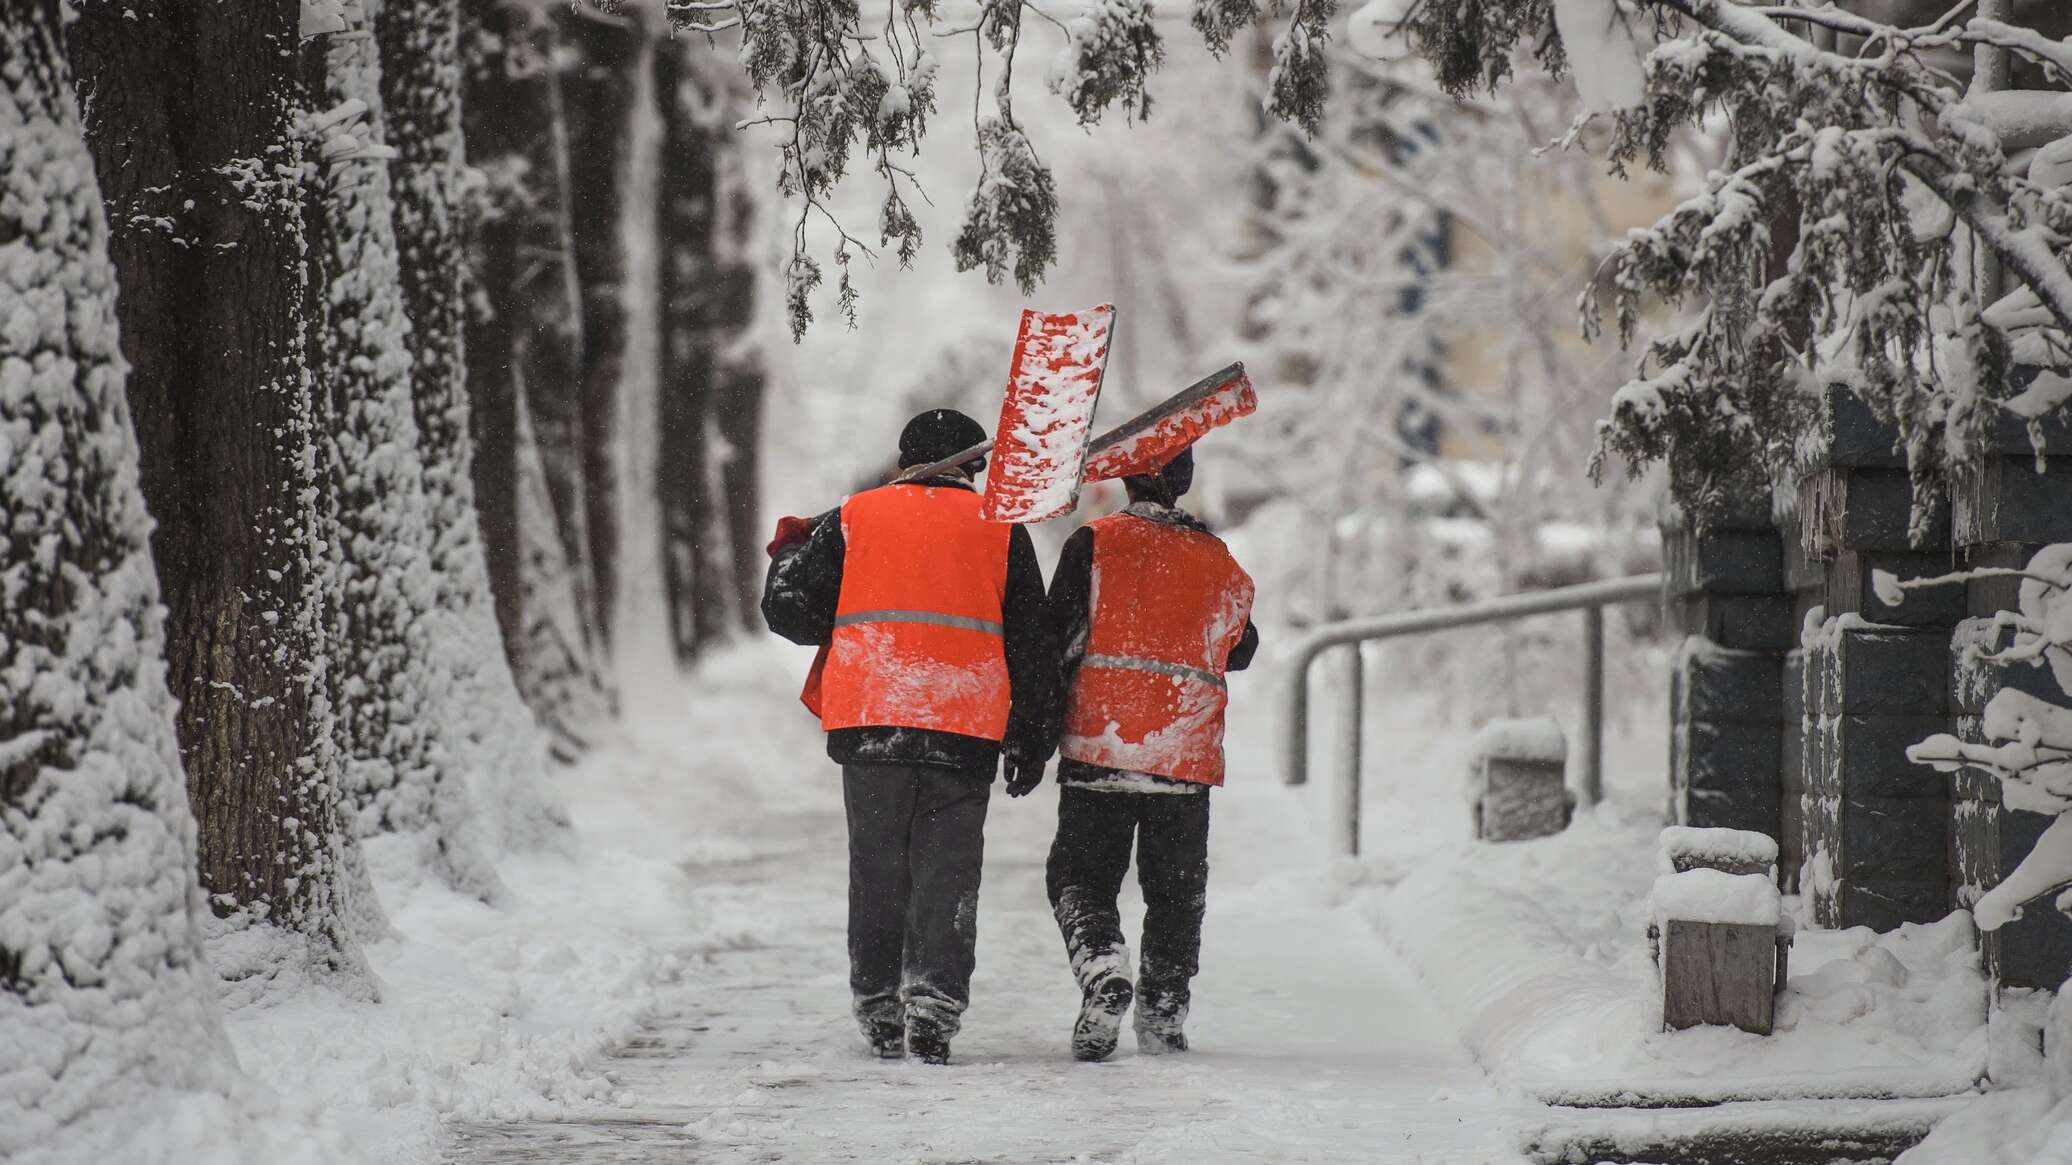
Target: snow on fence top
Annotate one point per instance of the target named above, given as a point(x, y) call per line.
point(1703, 895)
point(1741, 851)
point(1526, 738)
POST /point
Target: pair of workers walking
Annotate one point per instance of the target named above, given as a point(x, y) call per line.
point(944, 658)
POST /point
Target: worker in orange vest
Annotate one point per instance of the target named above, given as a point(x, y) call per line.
point(937, 663)
point(1149, 611)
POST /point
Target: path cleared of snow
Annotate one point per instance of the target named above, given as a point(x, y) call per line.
point(1312, 1042)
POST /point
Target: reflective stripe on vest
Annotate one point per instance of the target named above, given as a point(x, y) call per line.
point(918, 639)
point(960, 621)
point(1151, 665)
point(1167, 607)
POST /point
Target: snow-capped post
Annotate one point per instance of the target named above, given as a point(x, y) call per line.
point(1517, 782)
point(1718, 947)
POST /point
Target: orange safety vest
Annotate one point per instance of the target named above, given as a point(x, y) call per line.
point(1168, 606)
point(919, 640)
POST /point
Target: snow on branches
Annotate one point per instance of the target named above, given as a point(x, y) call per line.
point(1111, 49)
point(1012, 217)
point(849, 89)
point(1835, 247)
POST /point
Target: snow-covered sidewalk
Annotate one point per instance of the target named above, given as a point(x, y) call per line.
point(1312, 1043)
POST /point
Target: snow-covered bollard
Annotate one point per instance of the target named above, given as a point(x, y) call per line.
point(1518, 780)
point(1730, 851)
point(1718, 948)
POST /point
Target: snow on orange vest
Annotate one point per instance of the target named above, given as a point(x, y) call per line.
point(1168, 606)
point(918, 639)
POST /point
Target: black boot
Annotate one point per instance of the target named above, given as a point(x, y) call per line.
point(886, 1038)
point(1099, 1027)
point(927, 1046)
point(1160, 1023)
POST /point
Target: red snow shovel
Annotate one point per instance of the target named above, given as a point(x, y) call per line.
point(1040, 444)
point(1155, 436)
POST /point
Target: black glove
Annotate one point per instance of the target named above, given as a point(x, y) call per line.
point(1023, 775)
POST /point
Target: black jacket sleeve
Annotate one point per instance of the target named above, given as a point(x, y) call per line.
point(1031, 658)
point(1247, 647)
point(804, 584)
point(1071, 593)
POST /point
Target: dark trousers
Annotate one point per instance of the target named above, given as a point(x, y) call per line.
point(1087, 863)
point(916, 840)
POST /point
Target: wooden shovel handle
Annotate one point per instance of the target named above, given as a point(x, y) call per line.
point(1207, 386)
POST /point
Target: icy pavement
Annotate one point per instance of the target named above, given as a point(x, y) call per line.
point(1312, 1044)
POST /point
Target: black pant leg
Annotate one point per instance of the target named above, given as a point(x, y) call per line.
point(880, 804)
point(1173, 869)
point(943, 862)
point(1088, 860)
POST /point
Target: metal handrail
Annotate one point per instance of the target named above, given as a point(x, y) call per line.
point(1591, 598)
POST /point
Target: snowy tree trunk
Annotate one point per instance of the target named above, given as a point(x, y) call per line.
point(599, 64)
point(103, 989)
point(696, 569)
point(523, 359)
point(739, 380)
point(400, 661)
point(201, 169)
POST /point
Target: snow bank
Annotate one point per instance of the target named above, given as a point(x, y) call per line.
point(501, 1014)
point(1538, 953)
point(1703, 895)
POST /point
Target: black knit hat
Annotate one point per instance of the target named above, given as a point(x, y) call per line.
point(936, 434)
point(1171, 482)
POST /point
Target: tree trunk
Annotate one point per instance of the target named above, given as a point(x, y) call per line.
point(601, 55)
point(94, 819)
point(397, 662)
point(523, 360)
point(208, 242)
point(696, 570)
point(489, 724)
point(738, 386)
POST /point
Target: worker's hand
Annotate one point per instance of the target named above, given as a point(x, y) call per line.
point(1023, 775)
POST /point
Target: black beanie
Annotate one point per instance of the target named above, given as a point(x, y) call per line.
point(936, 434)
point(1173, 480)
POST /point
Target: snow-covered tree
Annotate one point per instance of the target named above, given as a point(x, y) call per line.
point(602, 61)
point(103, 989)
point(204, 173)
point(1821, 252)
point(523, 352)
point(395, 662)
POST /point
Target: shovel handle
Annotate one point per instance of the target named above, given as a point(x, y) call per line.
point(920, 472)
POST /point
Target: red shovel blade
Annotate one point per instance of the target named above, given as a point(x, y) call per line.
point(1040, 444)
point(1181, 422)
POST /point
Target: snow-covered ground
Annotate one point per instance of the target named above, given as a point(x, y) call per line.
point(673, 986)
point(695, 927)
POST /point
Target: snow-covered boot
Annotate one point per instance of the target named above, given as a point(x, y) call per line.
point(1099, 1027)
point(1161, 1020)
point(885, 1037)
point(929, 1047)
